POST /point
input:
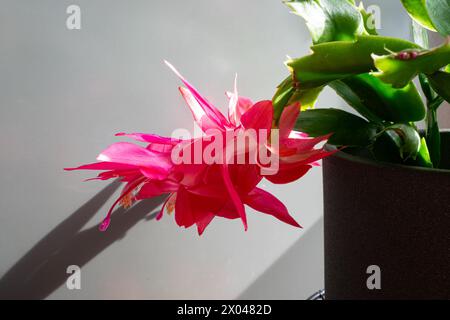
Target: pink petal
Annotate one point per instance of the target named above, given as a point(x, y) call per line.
point(232, 104)
point(203, 223)
point(152, 164)
point(242, 105)
point(298, 135)
point(234, 195)
point(304, 144)
point(184, 216)
point(228, 211)
point(150, 138)
point(125, 175)
point(163, 207)
point(263, 201)
point(154, 188)
point(210, 191)
point(307, 157)
point(287, 120)
point(259, 116)
point(288, 174)
point(201, 115)
point(103, 166)
point(245, 177)
point(127, 189)
point(209, 108)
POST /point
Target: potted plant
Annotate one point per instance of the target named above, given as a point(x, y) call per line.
point(387, 213)
point(386, 204)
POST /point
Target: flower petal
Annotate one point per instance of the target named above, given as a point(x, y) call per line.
point(203, 223)
point(259, 116)
point(151, 164)
point(150, 138)
point(103, 166)
point(155, 188)
point(232, 104)
point(212, 112)
point(303, 144)
point(265, 202)
point(228, 211)
point(163, 207)
point(287, 120)
point(288, 174)
point(129, 187)
point(201, 115)
point(184, 216)
point(234, 196)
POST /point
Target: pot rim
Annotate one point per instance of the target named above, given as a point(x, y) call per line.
point(384, 164)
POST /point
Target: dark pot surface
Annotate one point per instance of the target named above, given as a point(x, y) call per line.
point(391, 216)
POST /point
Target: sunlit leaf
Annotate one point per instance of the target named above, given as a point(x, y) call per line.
point(287, 94)
point(368, 18)
point(418, 11)
point(431, 14)
point(400, 68)
point(424, 158)
point(336, 60)
point(440, 82)
point(329, 20)
point(439, 13)
point(377, 101)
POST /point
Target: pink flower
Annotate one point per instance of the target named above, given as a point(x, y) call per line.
point(199, 192)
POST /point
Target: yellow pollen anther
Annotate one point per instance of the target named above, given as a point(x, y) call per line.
point(127, 201)
point(170, 206)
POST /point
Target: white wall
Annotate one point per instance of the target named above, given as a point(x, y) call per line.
point(63, 96)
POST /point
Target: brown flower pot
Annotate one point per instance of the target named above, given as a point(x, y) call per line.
point(387, 229)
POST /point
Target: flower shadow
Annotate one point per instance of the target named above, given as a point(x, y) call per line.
point(43, 268)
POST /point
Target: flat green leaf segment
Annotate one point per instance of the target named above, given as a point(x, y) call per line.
point(439, 12)
point(378, 101)
point(440, 82)
point(347, 129)
point(329, 20)
point(418, 11)
point(431, 14)
point(340, 59)
point(398, 69)
point(287, 94)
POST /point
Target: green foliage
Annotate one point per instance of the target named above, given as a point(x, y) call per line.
point(399, 69)
point(377, 101)
point(418, 11)
point(369, 24)
point(349, 77)
point(287, 94)
point(440, 82)
point(431, 14)
point(340, 59)
point(424, 158)
point(374, 75)
point(433, 137)
point(406, 138)
point(329, 20)
point(347, 129)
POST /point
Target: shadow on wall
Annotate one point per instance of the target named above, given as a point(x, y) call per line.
point(43, 269)
point(294, 275)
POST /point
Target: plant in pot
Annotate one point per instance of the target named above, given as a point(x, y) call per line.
point(385, 181)
point(386, 204)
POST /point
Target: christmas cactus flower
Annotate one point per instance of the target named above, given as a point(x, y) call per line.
point(216, 173)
